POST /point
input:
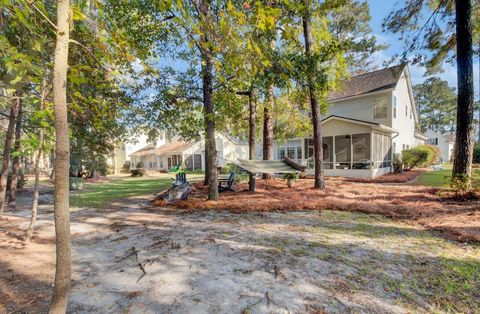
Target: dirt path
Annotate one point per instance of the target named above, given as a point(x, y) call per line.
point(218, 262)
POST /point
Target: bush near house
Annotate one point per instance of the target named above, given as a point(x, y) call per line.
point(476, 154)
point(420, 156)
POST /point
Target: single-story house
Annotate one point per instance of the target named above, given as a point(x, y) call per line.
point(191, 155)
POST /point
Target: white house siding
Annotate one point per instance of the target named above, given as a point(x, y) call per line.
point(445, 146)
point(293, 144)
point(405, 124)
point(361, 108)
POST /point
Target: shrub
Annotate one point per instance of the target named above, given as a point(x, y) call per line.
point(434, 157)
point(476, 154)
point(397, 164)
point(76, 183)
point(140, 172)
point(420, 156)
point(290, 176)
point(125, 167)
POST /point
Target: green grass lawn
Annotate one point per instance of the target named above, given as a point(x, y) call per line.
point(442, 177)
point(100, 194)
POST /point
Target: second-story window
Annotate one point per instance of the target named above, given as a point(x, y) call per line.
point(380, 107)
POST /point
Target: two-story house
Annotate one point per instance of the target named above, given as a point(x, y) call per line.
point(369, 120)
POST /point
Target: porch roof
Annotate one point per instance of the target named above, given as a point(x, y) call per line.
point(373, 125)
point(173, 148)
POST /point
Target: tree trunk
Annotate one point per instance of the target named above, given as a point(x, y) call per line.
point(207, 168)
point(462, 164)
point(36, 187)
point(251, 137)
point(61, 288)
point(316, 116)
point(12, 193)
point(478, 138)
point(268, 126)
point(7, 150)
point(207, 81)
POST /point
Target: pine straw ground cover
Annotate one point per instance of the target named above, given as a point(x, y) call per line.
point(433, 208)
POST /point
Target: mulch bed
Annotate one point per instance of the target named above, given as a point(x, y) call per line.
point(404, 177)
point(432, 208)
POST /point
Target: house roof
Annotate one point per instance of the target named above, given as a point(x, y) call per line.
point(369, 82)
point(174, 146)
point(143, 151)
point(420, 135)
point(449, 137)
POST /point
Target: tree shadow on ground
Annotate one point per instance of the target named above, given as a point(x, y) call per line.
point(200, 255)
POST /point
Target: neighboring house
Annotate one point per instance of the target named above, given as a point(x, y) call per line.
point(444, 142)
point(190, 155)
point(369, 120)
point(123, 150)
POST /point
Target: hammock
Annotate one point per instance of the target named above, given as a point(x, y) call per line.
point(270, 166)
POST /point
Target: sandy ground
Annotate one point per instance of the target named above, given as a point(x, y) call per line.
point(132, 258)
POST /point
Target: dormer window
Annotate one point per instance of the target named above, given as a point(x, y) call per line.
point(380, 107)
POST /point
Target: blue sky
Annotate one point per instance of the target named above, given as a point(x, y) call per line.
point(379, 9)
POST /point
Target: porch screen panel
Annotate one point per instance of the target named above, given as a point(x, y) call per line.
point(377, 146)
point(343, 152)
point(361, 151)
point(328, 152)
point(387, 151)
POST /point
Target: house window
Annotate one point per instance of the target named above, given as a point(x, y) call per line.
point(432, 141)
point(380, 107)
point(299, 152)
point(291, 152)
point(394, 106)
point(281, 153)
point(160, 161)
point(406, 111)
